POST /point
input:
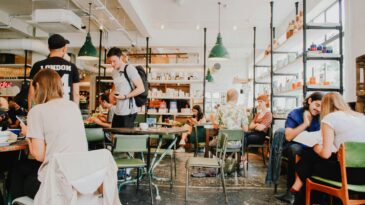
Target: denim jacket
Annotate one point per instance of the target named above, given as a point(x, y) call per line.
point(273, 170)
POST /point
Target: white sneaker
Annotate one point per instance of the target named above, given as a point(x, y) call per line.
point(180, 149)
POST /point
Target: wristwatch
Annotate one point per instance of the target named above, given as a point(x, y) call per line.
point(125, 97)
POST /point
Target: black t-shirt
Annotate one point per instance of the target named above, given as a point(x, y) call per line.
point(67, 71)
point(13, 113)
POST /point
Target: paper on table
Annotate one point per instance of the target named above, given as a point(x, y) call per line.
point(309, 138)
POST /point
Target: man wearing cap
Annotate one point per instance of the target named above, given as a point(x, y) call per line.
point(68, 72)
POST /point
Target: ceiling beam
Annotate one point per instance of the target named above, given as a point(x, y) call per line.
point(135, 12)
point(21, 26)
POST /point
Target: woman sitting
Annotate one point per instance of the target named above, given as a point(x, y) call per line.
point(339, 124)
point(261, 123)
point(54, 126)
point(198, 118)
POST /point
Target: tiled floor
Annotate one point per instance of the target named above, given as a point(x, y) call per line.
point(243, 191)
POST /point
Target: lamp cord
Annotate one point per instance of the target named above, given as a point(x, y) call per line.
point(219, 17)
point(89, 16)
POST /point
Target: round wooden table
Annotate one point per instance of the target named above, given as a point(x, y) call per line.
point(16, 146)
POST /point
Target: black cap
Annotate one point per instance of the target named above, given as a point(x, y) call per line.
point(57, 41)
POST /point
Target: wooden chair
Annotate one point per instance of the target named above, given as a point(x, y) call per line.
point(350, 155)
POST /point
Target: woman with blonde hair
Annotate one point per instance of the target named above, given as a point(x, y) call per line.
point(55, 125)
point(339, 124)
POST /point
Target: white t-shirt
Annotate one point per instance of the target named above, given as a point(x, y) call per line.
point(347, 127)
point(59, 123)
point(123, 107)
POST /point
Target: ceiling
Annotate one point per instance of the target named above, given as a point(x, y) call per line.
point(182, 20)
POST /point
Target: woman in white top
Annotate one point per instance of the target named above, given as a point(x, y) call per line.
point(55, 125)
point(339, 124)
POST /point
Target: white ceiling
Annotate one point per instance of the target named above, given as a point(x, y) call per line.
point(180, 18)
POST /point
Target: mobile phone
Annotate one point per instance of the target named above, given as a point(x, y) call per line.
point(22, 119)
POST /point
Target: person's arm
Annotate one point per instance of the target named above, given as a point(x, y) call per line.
point(291, 132)
point(76, 92)
point(101, 123)
point(265, 123)
point(253, 125)
point(37, 148)
point(328, 135)
point(30, 95)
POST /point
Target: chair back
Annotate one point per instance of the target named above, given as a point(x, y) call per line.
point(131, 143)
point(94, 134)
point(221, 148)
point(232, 134)
point(197, 134)
point(354, 154)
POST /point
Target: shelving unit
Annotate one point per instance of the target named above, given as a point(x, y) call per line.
point(296, 45)
point(309, 56)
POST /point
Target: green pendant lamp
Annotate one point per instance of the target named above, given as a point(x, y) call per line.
point(88, 50)
point(219, 52)
point(209, 76)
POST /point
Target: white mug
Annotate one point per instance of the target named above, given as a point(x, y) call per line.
point(143, 126)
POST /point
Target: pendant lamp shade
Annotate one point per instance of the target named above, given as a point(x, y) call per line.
point(88, 50)
point(219, 52)
point(209, 76)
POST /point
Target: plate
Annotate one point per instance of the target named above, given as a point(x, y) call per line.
point(7, 143)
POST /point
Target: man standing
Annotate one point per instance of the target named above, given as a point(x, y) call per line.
point(68, 72)
point(126, 108)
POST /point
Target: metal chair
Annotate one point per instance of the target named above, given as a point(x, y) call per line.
point(217, 162)
point(132, 143)
point(266, 143)
point(198, 137)
point(350, 155)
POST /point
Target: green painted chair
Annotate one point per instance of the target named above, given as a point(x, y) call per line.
point(234, 135)
point(350, 155)
point(95, 136)
point(266, 144)
point(198, 137)
point(216, 162)
point(136, 144)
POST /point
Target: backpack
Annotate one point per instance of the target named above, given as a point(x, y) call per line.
point(141, 98)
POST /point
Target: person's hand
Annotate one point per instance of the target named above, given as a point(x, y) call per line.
point(260, 127)
point(317, 148)
point(95, 120)
point(119, 97)
point(23, 129)
point(307, 117)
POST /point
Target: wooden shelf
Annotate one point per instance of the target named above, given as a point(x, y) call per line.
point(174, 114)
point(187, 65)
point(175, 81)
point(171, 98)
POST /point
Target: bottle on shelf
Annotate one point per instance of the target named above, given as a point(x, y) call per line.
point(312, 79)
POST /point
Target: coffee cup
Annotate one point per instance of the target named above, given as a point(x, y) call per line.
point(143, 126)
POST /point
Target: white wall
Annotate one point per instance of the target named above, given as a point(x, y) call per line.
point(354, 44)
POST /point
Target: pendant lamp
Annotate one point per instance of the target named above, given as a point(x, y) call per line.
point(219, 52)
point(88, 50)
point(209, 76)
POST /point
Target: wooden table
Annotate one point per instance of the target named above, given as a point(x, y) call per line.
point(16, 146)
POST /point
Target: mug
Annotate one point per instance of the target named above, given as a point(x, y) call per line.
point(143, 126)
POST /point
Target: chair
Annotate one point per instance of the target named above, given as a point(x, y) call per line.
point(267, 142)
point(234, 135)
point(132, 143)
point(350, 155)
point(198, 137)
point(94, 136)
point(217, 162)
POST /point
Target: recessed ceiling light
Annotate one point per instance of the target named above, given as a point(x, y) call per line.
point(197, 27)
point(235, 28)
point(162, 26)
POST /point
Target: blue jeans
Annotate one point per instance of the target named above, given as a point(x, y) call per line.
point(274, 166)
point(291, 149)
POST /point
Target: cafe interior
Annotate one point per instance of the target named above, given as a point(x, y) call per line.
point(182, 102)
